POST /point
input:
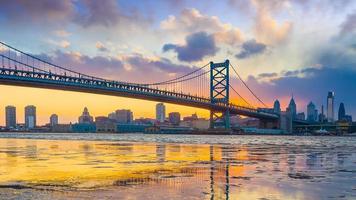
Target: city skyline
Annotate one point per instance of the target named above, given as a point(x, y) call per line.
point(310, 112)
point(262, 37)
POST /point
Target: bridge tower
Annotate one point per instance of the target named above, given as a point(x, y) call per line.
point(219, 94)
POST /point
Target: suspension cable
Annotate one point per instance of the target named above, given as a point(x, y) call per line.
point(233, 89)
point(247, 86)
point(175, 79)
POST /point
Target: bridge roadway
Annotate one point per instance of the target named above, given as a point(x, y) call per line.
point(41, 79)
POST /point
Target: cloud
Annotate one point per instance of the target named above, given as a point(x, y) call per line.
point(61, 43)
point(100, 46)
point(104, 13)
point(268, 30)
point(130, 67)
point(198, 46)
point(192, 21)
point(61, 33)
point(251, 48)
point(349, 25)
point(23, 11)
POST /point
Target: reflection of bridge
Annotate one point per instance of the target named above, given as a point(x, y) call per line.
point(207, 87)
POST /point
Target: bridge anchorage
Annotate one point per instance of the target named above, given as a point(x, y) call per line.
point(207, 87)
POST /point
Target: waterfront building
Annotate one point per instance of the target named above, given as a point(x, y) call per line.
point(301, 116)
point(200, 124)
point(160, 112)
point(174, 118)
point(84, 128)
point(312, 112)
point(124, 116)
point(277, 107)
point(292, 108)
point(30, 117)
point(10, 115)
point(330, 107)
point(341, 113)
point(85, 118)
point(105, 125)
point(53, 120)
point(131, 128)
point(61, 128)
point(191, 118)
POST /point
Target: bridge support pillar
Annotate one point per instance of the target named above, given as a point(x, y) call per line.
point(219, 94)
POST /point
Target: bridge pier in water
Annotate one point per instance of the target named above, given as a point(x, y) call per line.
point(219, 94)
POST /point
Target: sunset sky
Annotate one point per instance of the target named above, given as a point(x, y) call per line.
point(280, 47)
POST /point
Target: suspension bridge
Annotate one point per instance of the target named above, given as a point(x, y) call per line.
point(207, 87)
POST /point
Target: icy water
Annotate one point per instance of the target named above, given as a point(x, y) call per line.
point(138, 166)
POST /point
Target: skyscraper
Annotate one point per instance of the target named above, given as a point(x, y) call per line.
point(124, 116)
point(341, 113)
point(160, 112)
point(10, 112)
point(30, 116)
point(174, 118)
point(277, 107)
point(321, 115)
point(53, 120)
point(292, 108)
point(312, 113)
point(330, 107)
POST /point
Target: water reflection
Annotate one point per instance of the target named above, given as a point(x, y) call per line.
point(172, 170)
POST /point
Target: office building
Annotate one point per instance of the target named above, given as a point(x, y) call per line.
point(30, 116)
point(124, 116)
point(312, 112)
point(85, 118)
point(160, 112)
point(53, 120)
point(330, 107)
point(342, 112)
point(174, 118)
point(10, 115)
point(322, 115)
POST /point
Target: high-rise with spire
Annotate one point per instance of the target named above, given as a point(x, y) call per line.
point(292, 108)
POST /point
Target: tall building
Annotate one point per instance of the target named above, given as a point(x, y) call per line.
point(330, 107)
point(30, 116)
point(85, 118)
point(160, 112)
point(124, 116)
point(312, 113)
point(322, 115)
point(174, 118)
point(277, 107)
point(292, 108)
point(10, 112)
point(341, 113)
point(53, 120)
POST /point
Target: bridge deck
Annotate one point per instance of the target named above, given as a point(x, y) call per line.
point(114, 88)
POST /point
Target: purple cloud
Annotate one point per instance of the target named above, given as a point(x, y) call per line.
point(251, 48)
point(198, 46)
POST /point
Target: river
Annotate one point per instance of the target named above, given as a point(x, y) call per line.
point(141, 166)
